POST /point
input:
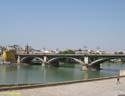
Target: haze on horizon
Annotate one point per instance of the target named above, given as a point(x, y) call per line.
point(63, 23)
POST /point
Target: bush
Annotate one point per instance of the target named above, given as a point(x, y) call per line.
point(67, 52)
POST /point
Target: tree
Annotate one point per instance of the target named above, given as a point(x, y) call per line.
point(120, 52)
point(67, 52)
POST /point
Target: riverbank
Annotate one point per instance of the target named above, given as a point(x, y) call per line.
point(107, 87)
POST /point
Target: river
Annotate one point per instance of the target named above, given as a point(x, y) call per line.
point(26, 74)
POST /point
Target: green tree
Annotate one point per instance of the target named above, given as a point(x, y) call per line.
point(67, 52)
point(120, 52)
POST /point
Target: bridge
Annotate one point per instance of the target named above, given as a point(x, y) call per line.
point(88, 61)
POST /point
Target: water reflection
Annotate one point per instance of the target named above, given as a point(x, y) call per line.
point(23, 73)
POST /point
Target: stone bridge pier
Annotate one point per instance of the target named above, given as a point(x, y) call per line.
point(92, 63)
point(18, 60)
point(44, 61)
point(86, 62)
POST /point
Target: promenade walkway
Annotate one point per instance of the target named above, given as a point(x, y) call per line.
point(107, 87)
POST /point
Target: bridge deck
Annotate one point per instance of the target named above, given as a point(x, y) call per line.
point(74, 55)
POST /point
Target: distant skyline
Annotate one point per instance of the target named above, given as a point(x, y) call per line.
point(63, 24)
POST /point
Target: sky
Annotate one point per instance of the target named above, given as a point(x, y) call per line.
point(63, 24)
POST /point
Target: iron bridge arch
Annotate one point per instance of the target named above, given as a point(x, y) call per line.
point(28, 59)
point(72, 58)
point(102, 60)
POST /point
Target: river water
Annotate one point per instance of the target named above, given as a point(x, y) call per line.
point(26, 74)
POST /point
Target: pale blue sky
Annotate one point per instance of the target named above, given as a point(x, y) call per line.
point(63, 23)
